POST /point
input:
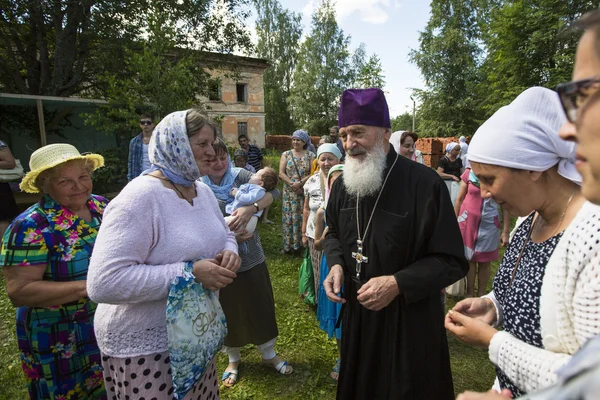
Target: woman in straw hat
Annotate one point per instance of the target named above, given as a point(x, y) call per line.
point(164, 224)
point(45, 258)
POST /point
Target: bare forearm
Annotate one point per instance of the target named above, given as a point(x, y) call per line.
point(47, 293)
point(7, 164)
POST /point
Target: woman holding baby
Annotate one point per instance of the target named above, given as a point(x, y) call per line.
point(248, 301)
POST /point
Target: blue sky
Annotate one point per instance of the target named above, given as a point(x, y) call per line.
point(389, 28)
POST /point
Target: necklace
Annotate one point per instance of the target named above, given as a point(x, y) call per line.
point(358, 255)
point(533, 224)
point(175, 187)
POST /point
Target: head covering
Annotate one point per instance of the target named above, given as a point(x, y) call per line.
point(450, 146)
point(329, 148)
point(53, 155)
point(170, 152)
point(473, 179)
point(395, 140)
point(462, 139)
point(524, 135)
point(337, 167)
point(240, 153)
point(364, 107)
point(222, 191)
point(302, 135)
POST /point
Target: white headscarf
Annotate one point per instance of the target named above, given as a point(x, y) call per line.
point(451, 146)
point(524, 135)
point(395, 140)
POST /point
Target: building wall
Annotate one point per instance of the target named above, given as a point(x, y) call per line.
point(231, 111)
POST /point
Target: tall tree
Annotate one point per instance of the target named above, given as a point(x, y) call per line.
point(528, 44)
point(448, 59)
point(58, 48)
point(402, 122)
point(370, 74)
point(322, 73)
point(279, 33)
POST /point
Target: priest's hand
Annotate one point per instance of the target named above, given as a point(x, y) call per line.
point(469, 330)
point(378, 292)
point(490, 395)
point(333, 284)
point(480, 308)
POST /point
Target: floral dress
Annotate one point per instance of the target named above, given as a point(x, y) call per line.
point(58, 350)
point(293, 204)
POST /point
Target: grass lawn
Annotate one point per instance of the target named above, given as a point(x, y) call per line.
point(300, 342)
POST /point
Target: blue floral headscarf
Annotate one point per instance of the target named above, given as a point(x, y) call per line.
point(222, 191)
point(302, 135)
point(170, 152)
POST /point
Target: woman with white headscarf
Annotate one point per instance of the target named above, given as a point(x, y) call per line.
point(539, 181)
point(450, 166)
point(328, 155)
point(164, 224)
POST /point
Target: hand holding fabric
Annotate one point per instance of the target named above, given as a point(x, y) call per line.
point(211, 274)
point(333, 284)
point(378, 292)
point(242, 236)
point(243, 215)
point(478, 308)
point(469, 330)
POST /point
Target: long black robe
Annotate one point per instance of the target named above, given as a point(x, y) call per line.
point(401, 351)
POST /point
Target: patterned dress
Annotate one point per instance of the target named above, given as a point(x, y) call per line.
point(58, 350)
point(293, 204)
point(520, 300)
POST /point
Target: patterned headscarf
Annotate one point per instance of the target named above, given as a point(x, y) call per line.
point(302, 135)
point(170, 152)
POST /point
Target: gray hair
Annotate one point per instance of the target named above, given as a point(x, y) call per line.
point(196, 120)
point(43, 179)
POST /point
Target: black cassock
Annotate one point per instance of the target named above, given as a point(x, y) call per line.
point(401, 351)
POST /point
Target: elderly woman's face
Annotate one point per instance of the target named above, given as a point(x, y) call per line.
point(70, 185)
point(407, 148)
point(240, 161)
point(218, 167)
point(513, 190)
point(326, 161)
point(202, 149)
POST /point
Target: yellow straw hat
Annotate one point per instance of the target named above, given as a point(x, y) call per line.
point(50, 156)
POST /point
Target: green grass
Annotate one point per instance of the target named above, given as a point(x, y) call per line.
point(300, 341)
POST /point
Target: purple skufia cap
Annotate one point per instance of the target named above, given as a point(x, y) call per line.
point(364, 107)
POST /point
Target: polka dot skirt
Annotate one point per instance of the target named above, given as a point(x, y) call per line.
point(149, 378)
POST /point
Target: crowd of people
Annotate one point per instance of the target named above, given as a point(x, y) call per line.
point(92, 278)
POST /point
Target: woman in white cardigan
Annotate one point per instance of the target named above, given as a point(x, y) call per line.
point(522, 163)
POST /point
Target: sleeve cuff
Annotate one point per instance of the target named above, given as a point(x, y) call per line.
point(497, 307)
point(495, 344)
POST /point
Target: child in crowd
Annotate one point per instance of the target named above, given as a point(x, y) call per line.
point(249, 193)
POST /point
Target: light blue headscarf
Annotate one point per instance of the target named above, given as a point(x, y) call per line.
point(329, 148)
point(170, 152)
point(302, 135)
point(222, 191)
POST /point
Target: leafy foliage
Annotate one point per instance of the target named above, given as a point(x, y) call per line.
point(279, 31)
point(402, 122)
point(322, 73)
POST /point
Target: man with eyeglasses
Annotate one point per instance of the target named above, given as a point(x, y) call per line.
point(138, 160)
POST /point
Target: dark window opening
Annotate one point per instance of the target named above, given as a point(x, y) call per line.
point(214, 91)
point(241, 92)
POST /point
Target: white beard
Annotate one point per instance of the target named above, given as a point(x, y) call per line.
point(365, 177)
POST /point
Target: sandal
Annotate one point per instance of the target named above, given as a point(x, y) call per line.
point(282, 366)
point(232, 376)
point(335, 373)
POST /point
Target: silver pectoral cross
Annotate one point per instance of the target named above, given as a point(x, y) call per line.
point(359, 257)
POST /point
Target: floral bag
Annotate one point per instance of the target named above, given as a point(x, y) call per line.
point(196, 329)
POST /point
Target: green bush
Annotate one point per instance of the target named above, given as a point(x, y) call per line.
point(113, 176)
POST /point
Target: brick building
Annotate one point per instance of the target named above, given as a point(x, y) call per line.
point(237, 96)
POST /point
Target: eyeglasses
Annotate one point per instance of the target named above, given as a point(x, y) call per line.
point(145, 122)
point(575, 93)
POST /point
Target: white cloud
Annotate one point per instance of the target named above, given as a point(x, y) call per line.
point(371, 11)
